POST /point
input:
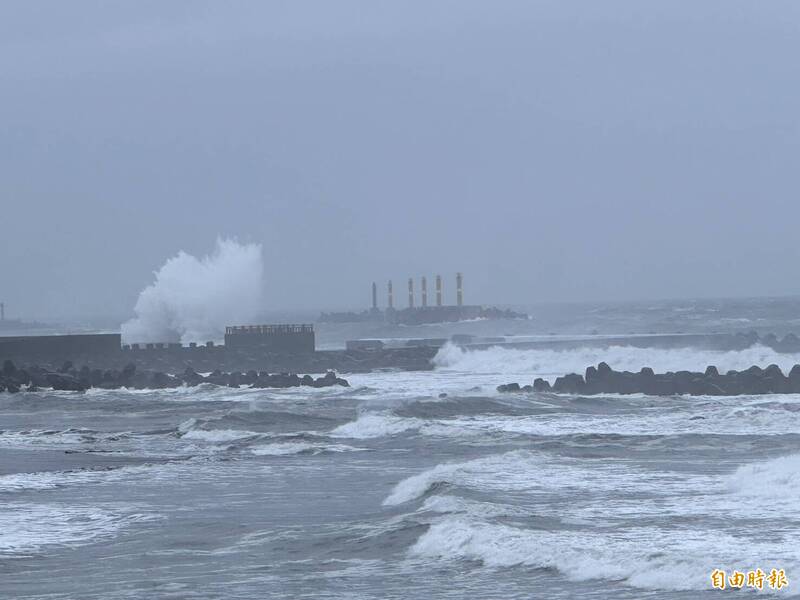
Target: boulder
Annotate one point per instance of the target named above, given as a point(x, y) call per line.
point(508, 387)
point(66, 367)
point(191, 377)
point(541, 385)
point(572, 383)
point(65, 382)
point(604, 380)
point(161, 380)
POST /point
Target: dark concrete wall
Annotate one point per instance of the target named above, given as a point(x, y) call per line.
point(59, 347)
point(279, 343)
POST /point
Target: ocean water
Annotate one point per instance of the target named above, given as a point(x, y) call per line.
point(406, 485)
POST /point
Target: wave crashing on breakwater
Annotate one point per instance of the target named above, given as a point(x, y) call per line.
point(193, 299)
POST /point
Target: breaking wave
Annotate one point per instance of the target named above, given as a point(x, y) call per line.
point(544, 363)
point(775, 483)
point(374, 425)
point(645, 549)
point(288, 448)
point(193, 299)
point(683, 563)
point(26, 529)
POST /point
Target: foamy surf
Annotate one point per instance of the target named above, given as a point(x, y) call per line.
point(373, 425)
point(529, 364)
point(29, 529)
point(290, 448)
point(646, 558)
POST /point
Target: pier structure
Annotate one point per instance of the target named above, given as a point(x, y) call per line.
point(284, 338)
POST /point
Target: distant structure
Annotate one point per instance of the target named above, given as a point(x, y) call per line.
point(15, 325)
point(283, 339)
point(423, 314)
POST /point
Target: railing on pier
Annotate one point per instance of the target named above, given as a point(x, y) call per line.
point(269, 329)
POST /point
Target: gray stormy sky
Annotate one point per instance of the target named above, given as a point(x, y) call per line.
point(552, 150)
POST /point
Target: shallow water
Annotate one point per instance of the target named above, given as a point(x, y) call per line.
point(386, 490)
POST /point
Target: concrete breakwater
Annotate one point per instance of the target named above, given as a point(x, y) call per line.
point(604, 380)
point(174, 358)
point(33, 378)
point(205, 359)
point(105, 352)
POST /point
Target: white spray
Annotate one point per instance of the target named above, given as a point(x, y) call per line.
point(192, 300)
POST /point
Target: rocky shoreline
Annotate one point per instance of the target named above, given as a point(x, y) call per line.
point(67, 378)
point(604, 380)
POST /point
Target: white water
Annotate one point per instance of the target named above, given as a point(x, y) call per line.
point(193, 299)
point(620, 524)
point(550, 363)
point(26, 529)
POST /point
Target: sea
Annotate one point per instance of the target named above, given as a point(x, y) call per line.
point(416, 484)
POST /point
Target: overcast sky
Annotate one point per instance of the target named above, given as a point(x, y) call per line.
point(550, 150)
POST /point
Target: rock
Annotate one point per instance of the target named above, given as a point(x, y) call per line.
point(22, 377)
point(9, 368)
point(508, 387)
point(96, 377)
point(572, 383)
point(64, 382)
point(191, 378)
point(281, 380)
point(604, 380)
point(163, 380)
point(217, 377)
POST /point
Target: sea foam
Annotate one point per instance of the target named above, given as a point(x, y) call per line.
point(547, 363)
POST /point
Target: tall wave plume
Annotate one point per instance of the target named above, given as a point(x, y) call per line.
point(193, 299)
